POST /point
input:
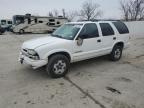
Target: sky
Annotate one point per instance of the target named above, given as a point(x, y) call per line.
point(8, 8)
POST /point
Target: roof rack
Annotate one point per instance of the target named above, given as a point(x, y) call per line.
point(97, 20)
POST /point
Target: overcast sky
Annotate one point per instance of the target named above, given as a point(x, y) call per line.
point(8, 8)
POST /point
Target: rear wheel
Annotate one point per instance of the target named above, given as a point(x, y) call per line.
point(116, 53)
point(21, 31)
point(58, 66)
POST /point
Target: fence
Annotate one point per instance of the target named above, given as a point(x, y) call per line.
point(136, 29)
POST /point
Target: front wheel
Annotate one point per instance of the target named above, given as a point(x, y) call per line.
point(116, 53)
point(58, 66)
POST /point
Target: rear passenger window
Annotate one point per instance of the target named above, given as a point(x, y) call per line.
point(51, 20)
point(40, 21)
point(51, 24)
point(89, 31)
point(107, 30)
point(121, 27)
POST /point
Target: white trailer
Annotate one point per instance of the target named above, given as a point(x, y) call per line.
point(37, 24)
point(6, 23)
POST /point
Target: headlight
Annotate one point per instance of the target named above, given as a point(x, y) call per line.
point(31, 52)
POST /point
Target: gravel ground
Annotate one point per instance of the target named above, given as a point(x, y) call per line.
point(94, 83)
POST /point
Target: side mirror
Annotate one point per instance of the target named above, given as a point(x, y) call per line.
point(79, 41)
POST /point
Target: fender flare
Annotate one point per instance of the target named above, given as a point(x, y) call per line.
point(57, 51)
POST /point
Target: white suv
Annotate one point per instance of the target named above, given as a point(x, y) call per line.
point(75, 41)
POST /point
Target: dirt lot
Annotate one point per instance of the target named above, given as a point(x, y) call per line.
point(95, 83)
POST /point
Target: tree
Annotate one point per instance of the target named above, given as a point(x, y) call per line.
point(71, 15)
point(55, 13)
point(90, 11)
point(64, 13)
point(132, 10)
point(50, 14)
point(125, 10)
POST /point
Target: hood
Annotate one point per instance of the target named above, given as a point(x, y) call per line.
point(35, 43)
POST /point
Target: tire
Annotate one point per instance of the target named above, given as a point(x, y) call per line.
point(1, 32)
point(21, 31)
point(116, 53)
point(58, 66)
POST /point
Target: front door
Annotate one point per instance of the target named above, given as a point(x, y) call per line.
point(88, 43)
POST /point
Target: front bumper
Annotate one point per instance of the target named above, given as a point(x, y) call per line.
point(34, 63)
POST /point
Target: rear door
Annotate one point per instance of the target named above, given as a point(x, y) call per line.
point(109, 37)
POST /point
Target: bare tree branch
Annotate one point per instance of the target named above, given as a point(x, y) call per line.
point(125, 9)
point(55, 12)
point(64, 13)
point(50, 14)
point(133, 9)
point(71, 15)
point(90, 10)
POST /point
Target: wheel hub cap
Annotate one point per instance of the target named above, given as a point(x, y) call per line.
point(59, 67)
point(117, 53)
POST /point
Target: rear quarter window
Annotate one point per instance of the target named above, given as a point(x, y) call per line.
point(121, 27)
point(106, 28)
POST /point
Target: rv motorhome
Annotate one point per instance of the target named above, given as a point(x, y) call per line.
point(6, 24)
point(36, 24)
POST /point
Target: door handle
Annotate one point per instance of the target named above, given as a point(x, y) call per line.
point(114, 38)
point(99, 40)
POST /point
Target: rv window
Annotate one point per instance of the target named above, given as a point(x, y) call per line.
point(29, 21)
point(40, 21)
point(51, 20)
point(9, 22)
point(36, 20)
point(51, 24)
point(19, 19)
point(3, 22)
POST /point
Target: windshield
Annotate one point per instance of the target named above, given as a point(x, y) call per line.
point(67, 31)
point(3, 22)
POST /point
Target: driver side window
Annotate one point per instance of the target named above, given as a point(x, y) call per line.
point(89, 31)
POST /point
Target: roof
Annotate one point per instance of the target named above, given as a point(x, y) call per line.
point(59, 17)
point(101, 21)
point(6, 19)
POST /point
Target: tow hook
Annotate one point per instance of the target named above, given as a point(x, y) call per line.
point(21, 60)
